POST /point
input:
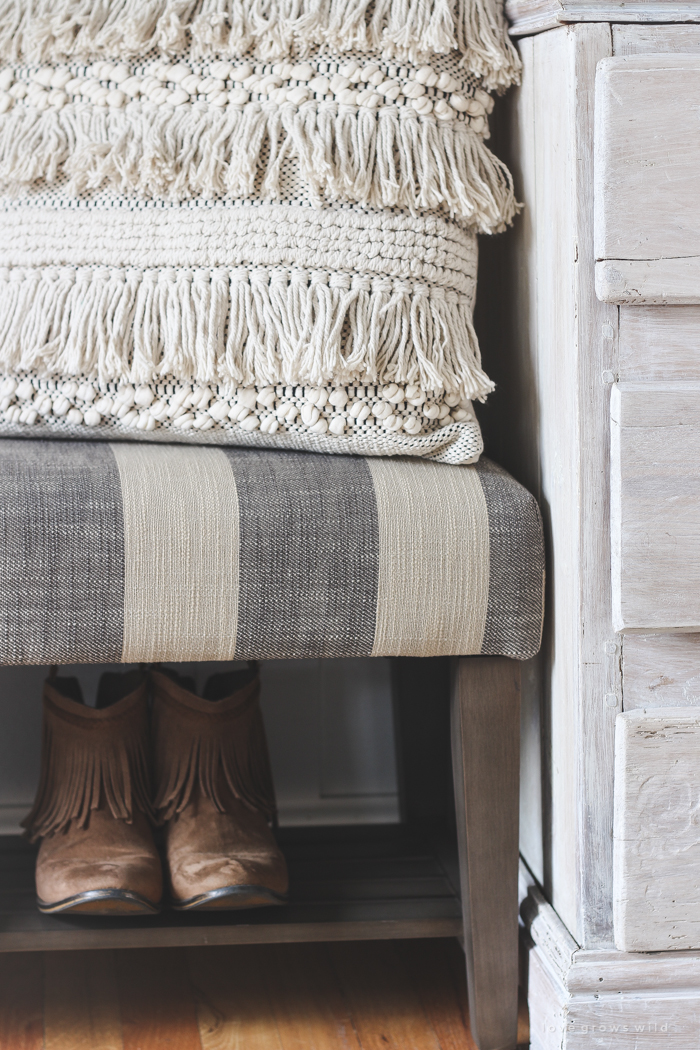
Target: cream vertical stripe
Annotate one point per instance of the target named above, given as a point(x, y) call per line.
point(181, 539)
point(433, 559)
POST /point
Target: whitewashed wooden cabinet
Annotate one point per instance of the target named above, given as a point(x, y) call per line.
point(598, 364)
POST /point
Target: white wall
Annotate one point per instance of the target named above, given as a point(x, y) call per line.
point(329, 726)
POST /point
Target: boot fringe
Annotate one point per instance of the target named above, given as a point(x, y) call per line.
point(238, 326)
point(385, 158)
point(41, 30)
point(222, 748)
point(85, 764)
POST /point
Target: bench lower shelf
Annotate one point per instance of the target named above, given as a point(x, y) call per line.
point(356, 883)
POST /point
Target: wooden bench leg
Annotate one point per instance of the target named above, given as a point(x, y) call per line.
point(485, 760)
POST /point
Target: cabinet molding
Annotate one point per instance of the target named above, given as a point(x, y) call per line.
point(597, 999)
point(534, 16)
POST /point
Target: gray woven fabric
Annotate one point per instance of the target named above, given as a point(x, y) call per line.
point(309, 544)
point(516, 570)
point(112, 553)
point(61, 553)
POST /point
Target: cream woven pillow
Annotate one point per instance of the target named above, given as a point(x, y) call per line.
point(247, 223)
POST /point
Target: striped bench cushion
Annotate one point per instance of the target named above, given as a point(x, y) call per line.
point(130, 552)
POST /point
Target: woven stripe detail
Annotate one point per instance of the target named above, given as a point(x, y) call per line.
point(309, 555)
point(181, 545)
point(200, 554)
point(422, 248)
point(61, 553)
point(433, 559)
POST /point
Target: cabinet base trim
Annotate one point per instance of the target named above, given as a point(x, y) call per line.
point(582, 998)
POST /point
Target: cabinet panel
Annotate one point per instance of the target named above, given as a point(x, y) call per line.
point(656, 836)
point(655, 496)
point(661, 670)
point(652, 39)
point(647, 179)
point(659, 342)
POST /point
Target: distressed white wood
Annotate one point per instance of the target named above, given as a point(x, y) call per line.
point(647, 179)
point(661, 670)
point(657, 829)
point(604, 998)
point(651, 39)
point(534, 16)
point(563, 338)
point(655, 500)
point(664, 282)
point(517, 401)
point(659, 343)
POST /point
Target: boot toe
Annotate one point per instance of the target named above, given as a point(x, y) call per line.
point(224, 860)
point(108, 868)
point(218, 876)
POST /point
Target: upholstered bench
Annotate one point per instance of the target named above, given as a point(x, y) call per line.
point(132, 552)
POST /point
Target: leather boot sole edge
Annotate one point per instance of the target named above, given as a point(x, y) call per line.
point(101, 902)
point(231, 897)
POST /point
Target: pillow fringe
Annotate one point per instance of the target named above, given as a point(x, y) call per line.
point(40, 30)
point(245, 326)
point(387, 158)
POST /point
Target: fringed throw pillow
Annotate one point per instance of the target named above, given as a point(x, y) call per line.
point(245, 222)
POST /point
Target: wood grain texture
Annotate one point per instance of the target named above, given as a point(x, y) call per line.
point(661, 670)
point(534, 16)
point(569, 339)
point(485, 762)
point(387, 1012)
point(409, 995)
point(651, 39)
point(647, 179)
point(81, 1002)
point(443, 995)
point(156, 1000)
point(659, 343)
point(303, 986)
point(234, 1007)
point(656, 832)
point(662, 282)
point(22, 1002)
point(655, 525)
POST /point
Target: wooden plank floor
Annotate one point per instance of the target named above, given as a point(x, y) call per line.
point(364, 995)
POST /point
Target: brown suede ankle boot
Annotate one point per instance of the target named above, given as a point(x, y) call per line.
point(92, 810)
point(214, 791)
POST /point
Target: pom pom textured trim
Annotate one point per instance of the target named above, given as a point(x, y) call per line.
point(393, 419)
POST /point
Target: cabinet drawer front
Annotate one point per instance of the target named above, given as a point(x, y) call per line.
point(661, 670)
point(647, 179)
point(656, 880)
point(655, 506)
point(659, 343)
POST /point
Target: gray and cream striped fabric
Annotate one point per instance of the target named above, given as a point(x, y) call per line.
point(130, 552)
